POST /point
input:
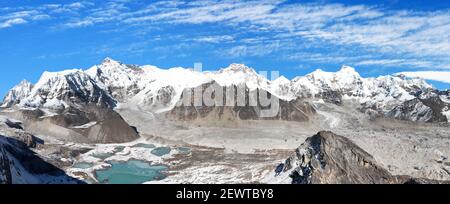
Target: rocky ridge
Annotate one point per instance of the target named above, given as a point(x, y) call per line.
point(327, 158)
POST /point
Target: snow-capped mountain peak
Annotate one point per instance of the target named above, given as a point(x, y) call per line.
point(349, 71)
point(109, 65)
point(281, 80)
point(320, 76)
point(234, 68)
point(55, 89)
point(345, 75)
point(120, 80)
point(110, 62)
point(236, 74)
point(54, 76)
point(17, 93)
point(25, 83)
point(282, 88)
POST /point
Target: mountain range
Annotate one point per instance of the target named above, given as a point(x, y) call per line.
point(113, 84)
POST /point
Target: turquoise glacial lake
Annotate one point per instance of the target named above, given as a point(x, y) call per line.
point(161, 151)
point(102, 156)
point(184, 150)
point(130, 172)
point(145, 145)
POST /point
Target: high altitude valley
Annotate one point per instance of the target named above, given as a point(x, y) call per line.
point(114, 121)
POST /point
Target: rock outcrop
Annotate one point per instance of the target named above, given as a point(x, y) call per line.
point(327, 158)
point(96, 124)
point(245, 104)
point(20, 165)
point(427, 110)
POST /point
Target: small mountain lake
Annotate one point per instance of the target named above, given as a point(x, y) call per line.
point(161, 151)
point(130, 172)
point(102, 156)
point(119, 149)
point(145, 145)
point(184, 150)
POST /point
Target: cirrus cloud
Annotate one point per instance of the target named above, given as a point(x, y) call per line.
point(11, 22)
point(358, 34)
point(441, 76)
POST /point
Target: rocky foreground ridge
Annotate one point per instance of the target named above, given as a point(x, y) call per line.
point(327, 158)
point(19, 164)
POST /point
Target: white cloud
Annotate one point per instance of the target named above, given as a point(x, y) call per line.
point(252, 50)
point(323, 58)
point(12, 22)
point(237, 51)
point(215, 39)
point(76, 5)
point(11, 16)
point(441, 76)
point(68, 8)
point(409, 38)
point(83, 23)
point(20, 16)
point(40, 17)
point(380, 62)
point(399, 33)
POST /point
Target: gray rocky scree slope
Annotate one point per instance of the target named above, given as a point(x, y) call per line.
point(327, 158)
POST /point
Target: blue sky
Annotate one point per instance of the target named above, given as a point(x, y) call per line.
point(293, 37)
